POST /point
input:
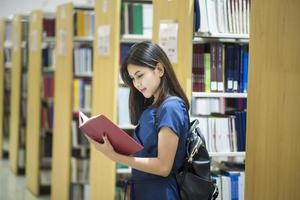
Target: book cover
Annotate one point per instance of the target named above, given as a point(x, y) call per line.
point(96, 126)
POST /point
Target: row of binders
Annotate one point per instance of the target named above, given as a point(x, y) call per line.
point(137, 18)
point(224, 133)
point(84, 23)
point(83, 57)
point(220, 67)
point(222, 16)
point(231, 185)
point(82, 93)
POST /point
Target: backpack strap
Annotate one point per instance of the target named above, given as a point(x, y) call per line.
point(159, 109)
point(175, 171)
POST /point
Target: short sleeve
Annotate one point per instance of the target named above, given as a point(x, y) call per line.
point(173, 115)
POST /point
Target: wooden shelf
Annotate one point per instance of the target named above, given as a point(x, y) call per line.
point(227, 154)
point(85, 39)
point(8, 65)
point(8, 44)
point(219, 95)
point(48, 69)
point(222, 35)
point(130, 38)
point(83, 75)
point(48, 42)
point(2, 86)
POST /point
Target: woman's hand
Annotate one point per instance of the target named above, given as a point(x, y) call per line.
point(106, 148)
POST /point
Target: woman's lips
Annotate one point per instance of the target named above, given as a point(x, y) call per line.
point(143, 90)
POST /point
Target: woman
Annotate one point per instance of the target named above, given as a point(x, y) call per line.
point(152, 81)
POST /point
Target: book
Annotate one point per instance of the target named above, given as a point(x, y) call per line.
point(96, 126)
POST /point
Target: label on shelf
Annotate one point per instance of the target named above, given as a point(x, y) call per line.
point(168, 34)
point(104, 40)
point(62, 39)
point(33, 41)
point(104, 6)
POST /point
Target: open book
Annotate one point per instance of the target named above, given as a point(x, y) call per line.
point(96, 126)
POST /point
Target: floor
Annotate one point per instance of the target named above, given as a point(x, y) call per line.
point(13, 187)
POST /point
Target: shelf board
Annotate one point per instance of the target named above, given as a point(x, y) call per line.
point(48, 69)
point(8, 44)
point(84, 39)
point(227, 154)
point(131, 38)
point(124, 171)
point(83, 75)
point(219, 94)
point(8, 65)
point(47, 42)
point(222, 35)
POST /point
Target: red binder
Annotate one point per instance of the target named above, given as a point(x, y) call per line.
point(96, 126)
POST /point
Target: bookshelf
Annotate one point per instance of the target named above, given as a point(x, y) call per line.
point(7, 53)
point(18, 94)
point(180, 12)
point(40, 102)
point(273, 102)
point(72, 40)
point(105, 87)
point(2, 69)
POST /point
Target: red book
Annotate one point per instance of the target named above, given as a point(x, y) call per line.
point(96, 126)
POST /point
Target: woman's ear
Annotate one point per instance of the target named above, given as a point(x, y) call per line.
point(160, 68)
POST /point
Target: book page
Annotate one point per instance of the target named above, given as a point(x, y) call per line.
point(82, 118)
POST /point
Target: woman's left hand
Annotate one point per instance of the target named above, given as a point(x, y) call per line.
point(105, 147)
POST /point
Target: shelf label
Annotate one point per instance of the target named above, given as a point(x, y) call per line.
point(15, 42)
point(104, 6)
point(33, 41)
point(168, 34)
point(63, 13)
point(62, 39)
point(104, 40)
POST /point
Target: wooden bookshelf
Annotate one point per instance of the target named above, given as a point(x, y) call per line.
point(16, 73)
point(34, 103)
point(61, 166)
point(180, 12)
point(273, 102)
point(66, 43)
point(105, 86)
point(2, 70)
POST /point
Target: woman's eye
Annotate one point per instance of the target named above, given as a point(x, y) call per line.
point(140, 76)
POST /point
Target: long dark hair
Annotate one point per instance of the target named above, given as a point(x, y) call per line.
point(148, 54)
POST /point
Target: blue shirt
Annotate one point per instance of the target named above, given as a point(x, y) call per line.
point(173, 114)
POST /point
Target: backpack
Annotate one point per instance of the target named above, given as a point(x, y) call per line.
point(194, 177)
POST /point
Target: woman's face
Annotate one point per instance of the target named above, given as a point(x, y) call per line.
point(145, 80)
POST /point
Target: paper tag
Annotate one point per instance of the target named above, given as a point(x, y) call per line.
point(235, 85)
point(104, 6)
point(230, 84)
point(62, 39)
point(104, 40)
point(33, 41)
point(15, 42)
point(168, 34)
point(34, 18)
point(213, 86)
point(63, 13)
point(220, 86)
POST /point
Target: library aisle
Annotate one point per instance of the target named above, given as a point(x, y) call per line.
point(13, 187)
